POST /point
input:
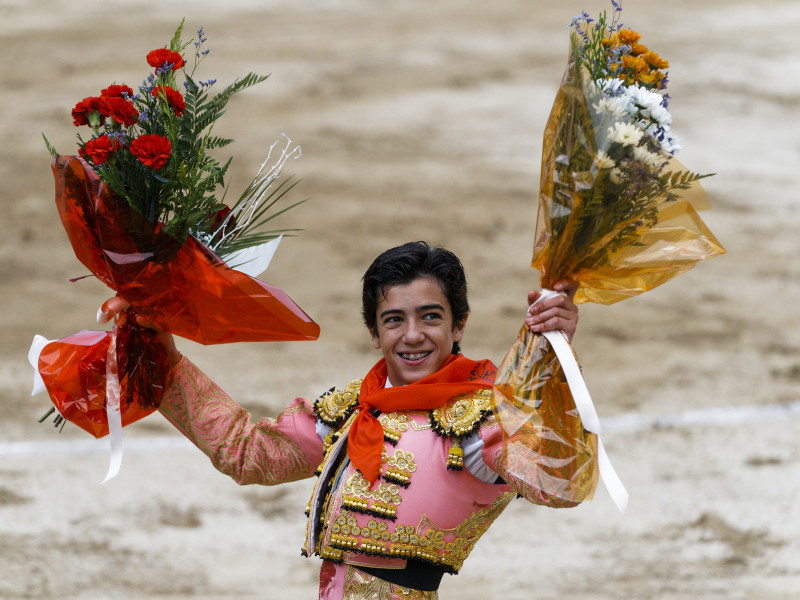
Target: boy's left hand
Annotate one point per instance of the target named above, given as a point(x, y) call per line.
point(558, 313)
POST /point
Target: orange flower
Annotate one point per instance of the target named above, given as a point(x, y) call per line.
point(638, 49)
point(634, 64)
point(628, 36)
point(648, 79)
point(654, 60)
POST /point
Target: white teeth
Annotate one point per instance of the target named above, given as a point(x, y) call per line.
point(415, 356)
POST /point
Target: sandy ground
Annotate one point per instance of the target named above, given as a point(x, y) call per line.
point(423, 120)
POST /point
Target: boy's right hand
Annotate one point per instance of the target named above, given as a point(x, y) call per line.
point(117, 305)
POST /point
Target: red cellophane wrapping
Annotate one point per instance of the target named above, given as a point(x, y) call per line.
point(183, 288)
point(74, 372)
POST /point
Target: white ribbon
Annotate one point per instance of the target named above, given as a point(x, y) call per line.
point(583, 402)
point(39, 342)
point(113, 413)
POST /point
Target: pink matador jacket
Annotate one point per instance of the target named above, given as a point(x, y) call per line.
point(425, 505)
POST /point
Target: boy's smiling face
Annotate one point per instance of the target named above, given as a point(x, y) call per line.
point(415, 330)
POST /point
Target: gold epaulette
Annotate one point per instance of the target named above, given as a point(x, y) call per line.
point(335, 406)
point(461, 415)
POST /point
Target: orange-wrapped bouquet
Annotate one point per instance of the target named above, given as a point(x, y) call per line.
point(617, 213)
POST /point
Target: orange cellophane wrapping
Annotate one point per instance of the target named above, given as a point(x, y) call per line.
point(545, 446)
point(183, 288)
point(74, 372)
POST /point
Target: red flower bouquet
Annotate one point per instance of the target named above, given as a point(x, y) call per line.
point(141, 213)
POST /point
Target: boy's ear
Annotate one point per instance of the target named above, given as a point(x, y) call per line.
point(376, 341)
point(458, 330)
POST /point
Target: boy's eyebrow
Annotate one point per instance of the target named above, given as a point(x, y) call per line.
point(391, 311)
point(433, 306)
point(418, 309)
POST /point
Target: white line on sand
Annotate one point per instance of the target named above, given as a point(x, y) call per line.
point(720, 416)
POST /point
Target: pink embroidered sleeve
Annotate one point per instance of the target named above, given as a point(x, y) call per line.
point(267, 452)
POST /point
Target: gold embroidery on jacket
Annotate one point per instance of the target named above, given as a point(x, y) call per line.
point(381, 502)
point(340, 532)
point(425, 541)
point(462, 414)
point(363, 586)
point(423, 424)
point(370, 539)
point(407, 417)
point(469, 532)
point(394, 425)
point(335, 406)
point(399, 467)
point(455, 456)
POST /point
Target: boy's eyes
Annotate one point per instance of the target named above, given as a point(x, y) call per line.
point(431, 316)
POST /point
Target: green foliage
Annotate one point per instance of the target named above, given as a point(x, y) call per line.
point(53, 152)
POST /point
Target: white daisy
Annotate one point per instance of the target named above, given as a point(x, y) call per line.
point(645, 156)
point(612, 107)
point(661, 116)
point(626, 134)
point(609, 86)
point(603, 161)
point(646, 99)
point(626, 104)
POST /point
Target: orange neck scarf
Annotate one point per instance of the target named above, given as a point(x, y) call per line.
point(458, 375)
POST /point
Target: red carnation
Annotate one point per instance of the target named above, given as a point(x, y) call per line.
point(116, 91)
point(99, 149)
point(83, 110)
point(174, 98)
point(158, 58)
point(151, 150)
point(119, 109)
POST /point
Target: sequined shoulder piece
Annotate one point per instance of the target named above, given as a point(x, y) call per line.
point(462, 414)
point(334, 406)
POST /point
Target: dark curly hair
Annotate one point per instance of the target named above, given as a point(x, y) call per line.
point(402, 265)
